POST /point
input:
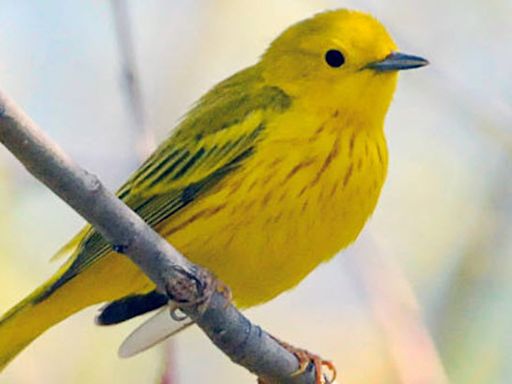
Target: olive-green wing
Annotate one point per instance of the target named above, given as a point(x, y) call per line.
point(218, 135)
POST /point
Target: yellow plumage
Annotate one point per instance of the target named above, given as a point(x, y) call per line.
point(273, 172)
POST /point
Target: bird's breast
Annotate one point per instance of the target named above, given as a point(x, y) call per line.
point(293, 205)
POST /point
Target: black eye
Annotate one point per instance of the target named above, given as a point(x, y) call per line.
point(334, 58)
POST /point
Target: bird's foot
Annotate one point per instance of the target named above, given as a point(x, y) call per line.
point(195, 288)
point(224, 290)
point(306, 360)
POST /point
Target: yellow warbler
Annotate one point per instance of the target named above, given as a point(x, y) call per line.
point(273, 172)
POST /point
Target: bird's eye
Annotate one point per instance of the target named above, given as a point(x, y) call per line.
point(334, 58)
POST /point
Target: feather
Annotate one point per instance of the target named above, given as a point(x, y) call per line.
point(153, 331)
point(130, 306)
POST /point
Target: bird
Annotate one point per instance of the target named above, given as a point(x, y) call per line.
point(272, 172)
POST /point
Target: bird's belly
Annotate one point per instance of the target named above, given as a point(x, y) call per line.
point(262, 233)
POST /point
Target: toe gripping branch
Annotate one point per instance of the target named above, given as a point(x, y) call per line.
point(307, 362)
point(196, 292)
point(192, 289)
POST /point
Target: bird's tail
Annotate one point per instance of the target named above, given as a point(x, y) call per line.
point(34, 315)
point(37, 312)
point(110, 278)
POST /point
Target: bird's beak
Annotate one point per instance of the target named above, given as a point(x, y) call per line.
point(397, 61)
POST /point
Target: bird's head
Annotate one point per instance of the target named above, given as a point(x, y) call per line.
point(338, 59)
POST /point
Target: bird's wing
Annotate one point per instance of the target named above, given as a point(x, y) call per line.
point(214, 139)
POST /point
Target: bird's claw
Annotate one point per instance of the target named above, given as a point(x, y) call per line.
point(306, 359)
point(195, 289)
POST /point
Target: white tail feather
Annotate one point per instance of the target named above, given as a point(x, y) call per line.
point(153, 331)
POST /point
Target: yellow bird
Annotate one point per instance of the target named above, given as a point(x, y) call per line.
point(271, 173)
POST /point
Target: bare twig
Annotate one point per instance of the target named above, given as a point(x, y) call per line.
point(245, 343)
point(145, 143)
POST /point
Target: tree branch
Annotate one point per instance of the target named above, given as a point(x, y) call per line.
point(244, 343)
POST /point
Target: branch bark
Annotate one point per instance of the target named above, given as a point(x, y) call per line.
point(244, 343)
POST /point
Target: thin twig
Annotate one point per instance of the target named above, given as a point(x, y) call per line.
point(145, 142)
point(245, 343)
point(144, 138)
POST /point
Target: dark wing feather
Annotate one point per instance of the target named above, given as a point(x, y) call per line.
point(131, 306)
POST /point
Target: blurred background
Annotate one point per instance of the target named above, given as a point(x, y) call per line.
point(424, 295)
